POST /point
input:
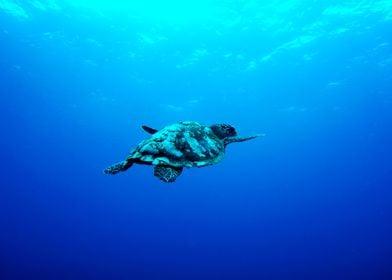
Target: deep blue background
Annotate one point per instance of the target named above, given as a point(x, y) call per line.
point(310, 200)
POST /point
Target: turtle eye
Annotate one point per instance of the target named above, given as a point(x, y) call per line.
point(230, 130)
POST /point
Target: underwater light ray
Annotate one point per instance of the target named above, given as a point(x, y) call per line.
point(173, 11)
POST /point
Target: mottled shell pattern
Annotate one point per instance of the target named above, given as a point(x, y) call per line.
point(187, 144)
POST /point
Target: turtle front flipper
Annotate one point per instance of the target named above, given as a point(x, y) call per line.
point(229, 140)
point(118, 167)
point(167, 174)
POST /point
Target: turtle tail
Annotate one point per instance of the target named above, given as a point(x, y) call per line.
point(118, 167)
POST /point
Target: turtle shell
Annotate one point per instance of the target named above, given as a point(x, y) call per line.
point(184, 144)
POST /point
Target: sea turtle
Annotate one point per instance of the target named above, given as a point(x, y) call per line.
point(183, 144)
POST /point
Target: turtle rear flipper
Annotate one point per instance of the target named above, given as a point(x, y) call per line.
point(167, 174)
point(118, 167)
point(149, 130)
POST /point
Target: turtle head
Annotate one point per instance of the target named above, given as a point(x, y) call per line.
point(223, 130)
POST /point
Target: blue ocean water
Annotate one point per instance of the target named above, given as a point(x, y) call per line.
point(310, 200)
